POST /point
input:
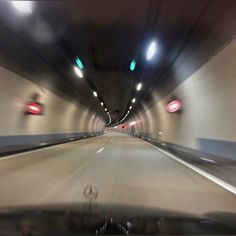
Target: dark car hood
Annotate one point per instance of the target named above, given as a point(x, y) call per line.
point(93, 218)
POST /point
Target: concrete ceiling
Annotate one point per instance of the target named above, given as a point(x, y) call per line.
point(107, 35)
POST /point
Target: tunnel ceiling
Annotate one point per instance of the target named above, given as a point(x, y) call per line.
point(106, 35)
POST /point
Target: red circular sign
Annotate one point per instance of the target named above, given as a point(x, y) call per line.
point(33, 108)
point(174, 106)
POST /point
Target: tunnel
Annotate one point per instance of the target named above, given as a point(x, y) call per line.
point(128, 103)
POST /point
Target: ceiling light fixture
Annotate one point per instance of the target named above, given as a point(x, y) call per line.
point(23, 6)
point(133, 100)
point(95, 94)
point(139, 86)
point(151, 50)
point(78, 71)
point(101, 103)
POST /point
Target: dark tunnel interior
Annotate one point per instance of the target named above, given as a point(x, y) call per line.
point(116, 106)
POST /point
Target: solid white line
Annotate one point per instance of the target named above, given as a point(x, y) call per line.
point(211, 177)
point(208, 160)
point(42, 144)
point(100, 150)
point(33, 151)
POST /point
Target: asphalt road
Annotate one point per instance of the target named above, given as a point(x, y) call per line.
point(124, 169)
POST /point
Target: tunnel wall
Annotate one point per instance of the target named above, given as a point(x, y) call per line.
point(62, 119)
point(207, 121)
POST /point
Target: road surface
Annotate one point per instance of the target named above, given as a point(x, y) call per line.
point(123, 168)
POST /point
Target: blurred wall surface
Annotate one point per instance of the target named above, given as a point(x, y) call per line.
point(61, 119)
point(207, 121)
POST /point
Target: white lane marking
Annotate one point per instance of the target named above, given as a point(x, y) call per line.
point(33, 151)
point(42, 144)
point(100, 150)
point(208, 160)
point(28, 152)
point(214, 179)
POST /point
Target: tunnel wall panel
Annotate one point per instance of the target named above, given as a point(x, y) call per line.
point(61, 118)
point(209, 111)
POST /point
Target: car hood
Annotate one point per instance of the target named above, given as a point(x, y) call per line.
point(93, 218)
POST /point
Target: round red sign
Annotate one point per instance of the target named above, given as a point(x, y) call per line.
point(174, 106)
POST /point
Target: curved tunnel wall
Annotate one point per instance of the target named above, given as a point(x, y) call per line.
point(208, 119)
point(62, 119)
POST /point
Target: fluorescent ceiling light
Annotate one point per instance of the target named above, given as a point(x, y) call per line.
point(133, 100)
point(151, 50)
point(23, 6)
point(95, 94)
point(78, 71)
point(139, 86)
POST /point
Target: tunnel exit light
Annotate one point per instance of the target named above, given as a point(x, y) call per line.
point(34, 108)
point(174, 106)
point(132, 123)
point(132, 65)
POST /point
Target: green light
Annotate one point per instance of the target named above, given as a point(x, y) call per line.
point(132, 65)
point(79, 63)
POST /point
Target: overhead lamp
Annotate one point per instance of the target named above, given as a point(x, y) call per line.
point(95, 94)
point(151, 50)
point(79, 63)
point(105, 109)
point(132, 65)
point(23, 6)
point(108, 113)
point(133, 100)
point(139, 86)
point(78, 71)
point(101, 103)
point(130, 107)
